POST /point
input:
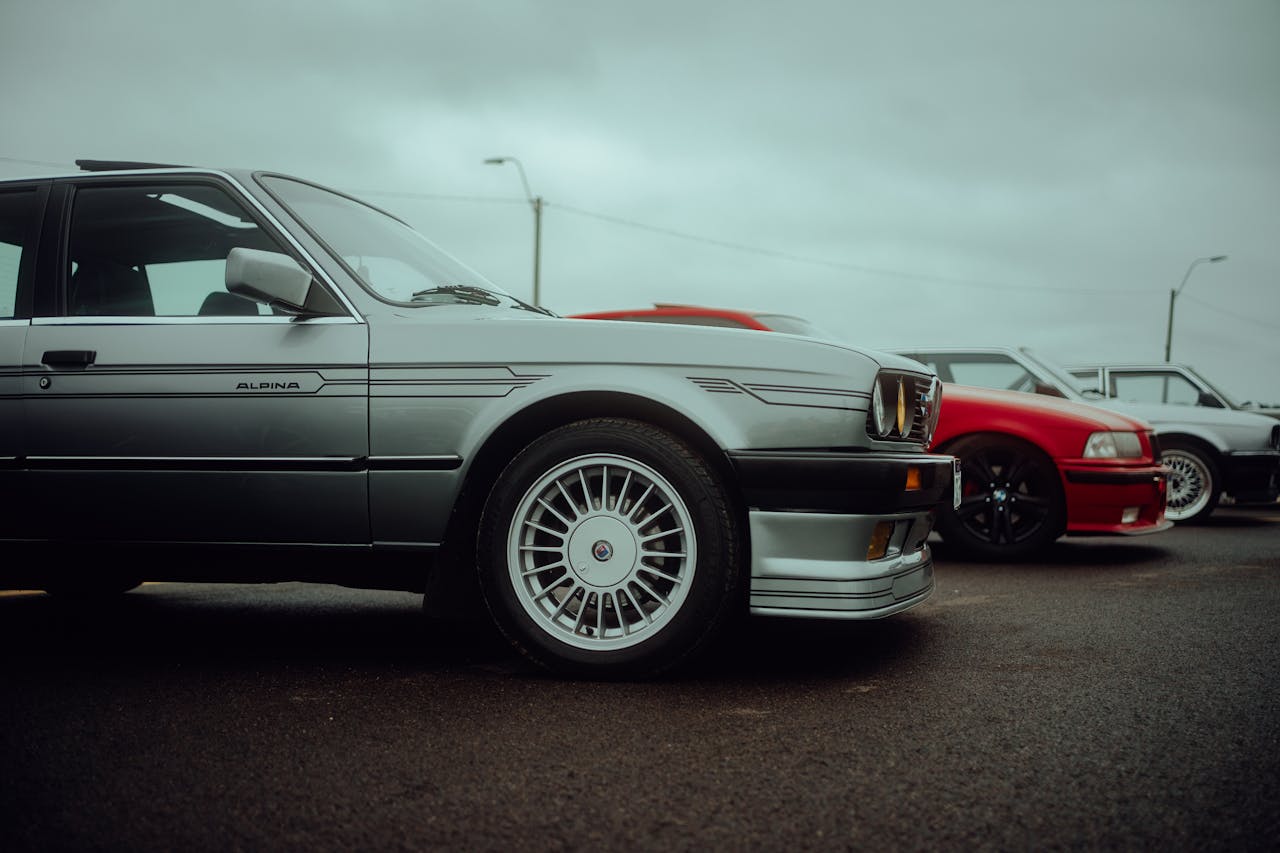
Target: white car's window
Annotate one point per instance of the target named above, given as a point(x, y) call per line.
point(1154, 388)
point(15, 215)
point(992, 372)
point(158, 250)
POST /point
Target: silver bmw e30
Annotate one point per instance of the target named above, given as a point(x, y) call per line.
point(209, 362)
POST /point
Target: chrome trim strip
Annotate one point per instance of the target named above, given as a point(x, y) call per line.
point(439, 462)
point(15, 322)
point(197, 463)
point(435, 462)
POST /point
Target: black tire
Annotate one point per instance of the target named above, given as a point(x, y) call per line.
point(1195, 484)
point(585, 571)
point(1011, 499)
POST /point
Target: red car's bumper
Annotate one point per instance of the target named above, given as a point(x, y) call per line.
point(1114, 498)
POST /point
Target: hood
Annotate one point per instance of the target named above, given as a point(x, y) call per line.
point(1162, 413)
point(1040, 406)
point(447, 333)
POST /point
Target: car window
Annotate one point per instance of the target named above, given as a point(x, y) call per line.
point(158, 250)
point(16, 209)
point(990, 371)
point(1155, 387)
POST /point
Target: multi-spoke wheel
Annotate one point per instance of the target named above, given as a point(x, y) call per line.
point(607, 548)
point(1193, 481)
point(1011, 500)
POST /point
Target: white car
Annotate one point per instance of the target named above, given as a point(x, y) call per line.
point(1208, 451)
point(1177, 384)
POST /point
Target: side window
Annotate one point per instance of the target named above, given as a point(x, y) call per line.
point(16, 210)
point(158, 251)
point(1154, 388)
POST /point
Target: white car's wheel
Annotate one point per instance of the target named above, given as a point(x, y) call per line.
point(1194, 486)
point(607, 548)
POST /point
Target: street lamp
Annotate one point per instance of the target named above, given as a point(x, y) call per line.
point(1173, 296)
point(536, 202)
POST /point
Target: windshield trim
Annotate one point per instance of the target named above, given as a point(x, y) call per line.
point(1057, 376)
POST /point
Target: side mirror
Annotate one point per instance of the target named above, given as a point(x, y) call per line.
point(1208, 400)
point(1047, 389)
point(268, 277)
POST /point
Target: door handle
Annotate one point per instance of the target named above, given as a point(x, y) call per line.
point(69, 357)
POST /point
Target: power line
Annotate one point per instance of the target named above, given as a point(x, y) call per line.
point(826, 262)
point(1232, 314)
point(435, 197)
point(760, 250)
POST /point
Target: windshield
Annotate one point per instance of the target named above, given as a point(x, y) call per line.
point(390, 259)
point(1066, 383)
point(1226, 398)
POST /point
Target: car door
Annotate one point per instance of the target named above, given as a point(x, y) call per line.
point(163, 408)
point(20, 208)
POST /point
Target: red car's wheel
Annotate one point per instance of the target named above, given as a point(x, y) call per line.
point(1011, 499)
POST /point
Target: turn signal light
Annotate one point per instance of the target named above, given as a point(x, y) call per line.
point(913, 477)
point(880, 540)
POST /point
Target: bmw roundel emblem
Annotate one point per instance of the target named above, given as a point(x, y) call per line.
point(602, 550)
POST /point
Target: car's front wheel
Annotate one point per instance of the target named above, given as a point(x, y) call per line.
point(1011, 500)
point(1194, 484)
point(608, 548)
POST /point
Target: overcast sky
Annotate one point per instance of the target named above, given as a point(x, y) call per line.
point(901, 173)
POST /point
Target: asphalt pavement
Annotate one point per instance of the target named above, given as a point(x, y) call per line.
point(1117, 693)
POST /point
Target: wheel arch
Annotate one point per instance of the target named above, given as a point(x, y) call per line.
point(526, 424)
point(1198, 441)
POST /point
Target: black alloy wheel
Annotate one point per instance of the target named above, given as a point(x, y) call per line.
point(1011, 499)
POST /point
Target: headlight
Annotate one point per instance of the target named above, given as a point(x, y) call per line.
point(880, 419)
point(906, 406)
point(933, 407)
point(1113, 445)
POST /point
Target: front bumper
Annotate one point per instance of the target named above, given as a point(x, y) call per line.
point(1114, 498)
point(1252, 476)
point(813, 517)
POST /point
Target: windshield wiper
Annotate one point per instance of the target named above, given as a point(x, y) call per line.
point(464, 293)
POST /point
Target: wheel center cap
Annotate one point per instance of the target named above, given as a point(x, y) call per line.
point(602, 551)
point(1000, 495)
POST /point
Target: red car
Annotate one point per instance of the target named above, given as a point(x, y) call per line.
point(1032, 468)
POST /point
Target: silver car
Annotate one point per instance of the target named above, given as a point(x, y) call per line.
point(1208, 451)
point(213, 362)
point(1175, 384)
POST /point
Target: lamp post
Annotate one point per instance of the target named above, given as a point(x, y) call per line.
point(1173, 297)
point(536, 202)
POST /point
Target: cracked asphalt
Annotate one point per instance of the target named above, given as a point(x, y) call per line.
point(1117, 693)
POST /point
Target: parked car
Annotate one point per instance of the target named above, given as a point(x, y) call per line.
point(1032, 469)
point(699, 315)
point(1173, 384)
point(1208, 451)
point(212, 360)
